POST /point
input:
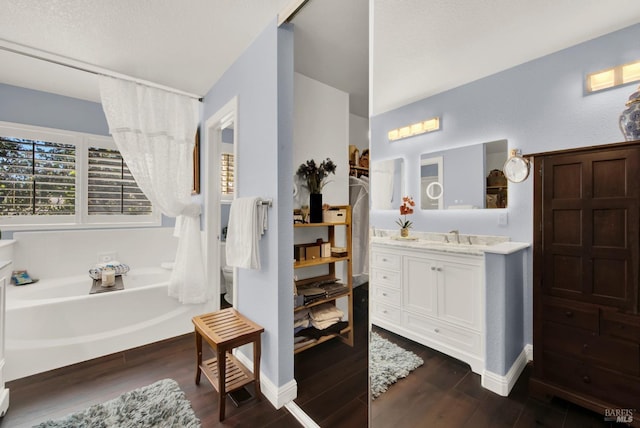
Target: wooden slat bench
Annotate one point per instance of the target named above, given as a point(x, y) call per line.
point(224, 330)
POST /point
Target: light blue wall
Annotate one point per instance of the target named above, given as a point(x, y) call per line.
point(537, 106)
point(262, 79)
point(21, 105)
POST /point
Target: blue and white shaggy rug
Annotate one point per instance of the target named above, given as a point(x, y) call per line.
point(388, 362)
point(159, 405)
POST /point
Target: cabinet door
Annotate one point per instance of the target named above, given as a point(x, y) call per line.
point(589, 219)
point(420, 285)
point(459, 287)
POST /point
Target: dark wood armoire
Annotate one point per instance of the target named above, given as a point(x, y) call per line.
point(586, 325)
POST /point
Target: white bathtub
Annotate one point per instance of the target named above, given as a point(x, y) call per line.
point(56, 322)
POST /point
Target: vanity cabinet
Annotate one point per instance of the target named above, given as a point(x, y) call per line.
point(432, 297)
point(5, 278)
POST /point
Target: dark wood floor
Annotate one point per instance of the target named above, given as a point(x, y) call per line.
point(333, 398)
point(445, 393)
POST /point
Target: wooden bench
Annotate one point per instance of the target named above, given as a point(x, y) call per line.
point(224, 330)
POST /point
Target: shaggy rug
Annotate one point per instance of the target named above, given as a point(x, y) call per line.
point(162, 404)
point(387, 363)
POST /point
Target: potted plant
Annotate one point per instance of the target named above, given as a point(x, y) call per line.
point(315, 179)
point(405, 208)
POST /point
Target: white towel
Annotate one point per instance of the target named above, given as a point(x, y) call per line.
point(247, 223)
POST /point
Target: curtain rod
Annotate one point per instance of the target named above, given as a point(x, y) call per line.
point(41, 55)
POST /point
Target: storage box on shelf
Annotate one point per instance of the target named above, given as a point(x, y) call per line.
point(331, 291)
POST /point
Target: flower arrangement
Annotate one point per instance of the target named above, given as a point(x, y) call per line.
point(315, 175)
point(406, 208)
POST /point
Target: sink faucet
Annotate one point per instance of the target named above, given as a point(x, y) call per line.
point(456, 232)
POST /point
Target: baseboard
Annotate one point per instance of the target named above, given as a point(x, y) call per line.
point(300, 415)
point(4, 401)
point(502, 385)
point(277, 396)
point(529, 349)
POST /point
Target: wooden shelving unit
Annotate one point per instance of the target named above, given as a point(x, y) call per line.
point(346, 334)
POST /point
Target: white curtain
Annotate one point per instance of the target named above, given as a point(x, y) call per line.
point(154, 131)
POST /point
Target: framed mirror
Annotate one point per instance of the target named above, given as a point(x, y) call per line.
point(387, 177)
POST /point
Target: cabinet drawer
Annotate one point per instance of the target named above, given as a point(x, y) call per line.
point(386, 295)
point(585, 345)
point(385, 277)
point(460, 339)
point(571, 313)
point(385, 260)
point(622, 326)
point(385, 312)
point(604, 384)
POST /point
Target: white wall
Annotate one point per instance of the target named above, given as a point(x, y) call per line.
point(320, 131)
point(359, 132)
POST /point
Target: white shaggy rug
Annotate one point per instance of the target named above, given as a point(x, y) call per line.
point(388, 362)
point(159, 405)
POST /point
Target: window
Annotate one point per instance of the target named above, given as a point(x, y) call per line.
point(112, 189)
point(226, 174)
point(66, 179)
point(37, 177)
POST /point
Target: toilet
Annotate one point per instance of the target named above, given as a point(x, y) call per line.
point(226, 280)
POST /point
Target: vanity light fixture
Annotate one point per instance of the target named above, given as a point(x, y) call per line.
point(418, 128)
point(614, 76)
point(516, 168)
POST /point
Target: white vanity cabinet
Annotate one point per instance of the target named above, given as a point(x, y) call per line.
point(435, 298)
point(5, 278)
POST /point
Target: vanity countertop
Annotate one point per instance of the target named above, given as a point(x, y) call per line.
point(506, 247)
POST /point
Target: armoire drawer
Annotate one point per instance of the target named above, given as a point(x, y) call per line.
point(385, 260)
point(601, 383)
point(599, 350)
point(385, 312)
point(386, 295)
point(458, 338)
point(571, 313)
point(385, 277)
point(622, 326)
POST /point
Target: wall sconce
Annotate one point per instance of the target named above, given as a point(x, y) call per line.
point(614, 76)
point(428, 125)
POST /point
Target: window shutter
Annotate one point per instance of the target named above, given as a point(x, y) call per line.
point(37, 177)
point(112, 189)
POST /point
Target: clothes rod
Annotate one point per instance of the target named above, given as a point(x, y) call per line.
point(45, 56)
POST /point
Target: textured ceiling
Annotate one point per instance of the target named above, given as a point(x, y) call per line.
point(185, 45)
point(424, 47)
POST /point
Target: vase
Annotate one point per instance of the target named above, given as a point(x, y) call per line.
point(404, 232)
point(315, 208)
point(630, 118)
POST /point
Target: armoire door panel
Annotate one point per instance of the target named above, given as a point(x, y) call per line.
point(609, 178)
point(590, 220)
point(567, 181)
point(610, 228)
point(566, 274)
point(567, 227)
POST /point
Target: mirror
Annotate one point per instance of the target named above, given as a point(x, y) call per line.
point(468, 177)
point(387, 177)
point(431, 188)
